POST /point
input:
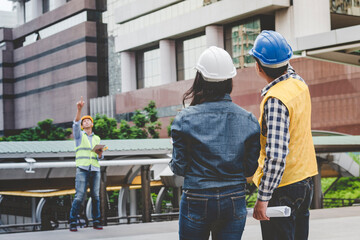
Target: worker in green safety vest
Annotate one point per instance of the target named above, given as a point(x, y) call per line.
point(87, 167)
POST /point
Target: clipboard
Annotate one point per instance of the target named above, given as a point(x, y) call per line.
point(97, 147)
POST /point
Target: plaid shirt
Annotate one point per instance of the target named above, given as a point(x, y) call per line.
point(276, 117)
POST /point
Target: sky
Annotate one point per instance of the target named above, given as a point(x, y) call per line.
point(5, 5)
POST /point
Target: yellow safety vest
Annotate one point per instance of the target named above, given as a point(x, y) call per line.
point(84, 155)
point(301, 160)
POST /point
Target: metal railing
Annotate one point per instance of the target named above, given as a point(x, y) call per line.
point(339, 202)
point(110, 221)
point(36, 165)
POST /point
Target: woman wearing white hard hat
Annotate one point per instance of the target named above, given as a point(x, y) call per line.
point(215, 147)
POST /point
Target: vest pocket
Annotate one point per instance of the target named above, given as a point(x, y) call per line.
point(197, 208)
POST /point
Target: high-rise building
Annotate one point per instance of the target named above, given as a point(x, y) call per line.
point(123, 53)
point(55, 54)
point(8, 19)
point(158, 42)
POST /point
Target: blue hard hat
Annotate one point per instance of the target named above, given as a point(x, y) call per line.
point(271, 49)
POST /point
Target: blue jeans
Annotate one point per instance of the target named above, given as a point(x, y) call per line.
point(298, 197)
point(220, 211)
point(82, 178)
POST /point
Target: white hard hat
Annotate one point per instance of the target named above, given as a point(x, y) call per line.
point(215, 65)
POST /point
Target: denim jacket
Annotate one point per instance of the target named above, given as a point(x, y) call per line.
point(215, 144)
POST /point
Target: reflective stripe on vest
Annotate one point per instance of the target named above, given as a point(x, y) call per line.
point(78, 149)
point(84, 155)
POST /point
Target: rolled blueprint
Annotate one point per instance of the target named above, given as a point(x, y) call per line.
point(279, 211)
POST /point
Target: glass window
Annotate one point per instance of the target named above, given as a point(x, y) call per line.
point(347, 7)
point(46, 6)
point(188, 52)
point(240, 39)
point(148, 68)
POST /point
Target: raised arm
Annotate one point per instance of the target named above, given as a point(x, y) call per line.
point(80, 105)
point(76, 124)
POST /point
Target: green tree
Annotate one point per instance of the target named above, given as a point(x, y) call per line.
point(346, 187)
point(145, 125)
point(169, 127)
point(44, 131)
point(146, 122)
point(105, 128)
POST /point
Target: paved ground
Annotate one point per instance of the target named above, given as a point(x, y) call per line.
point(329, 224)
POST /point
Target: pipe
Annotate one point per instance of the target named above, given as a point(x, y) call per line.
point(72, 164)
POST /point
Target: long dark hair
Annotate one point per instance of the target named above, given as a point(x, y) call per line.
point(203, 91)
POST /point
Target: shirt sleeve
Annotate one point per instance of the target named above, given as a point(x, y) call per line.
point(178, 163)
point(252, 147)
point(277, 120)
point(77, 132)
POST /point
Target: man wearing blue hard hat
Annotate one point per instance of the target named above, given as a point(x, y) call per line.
point(287, 158)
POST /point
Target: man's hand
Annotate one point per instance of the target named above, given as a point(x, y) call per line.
point(99, 152)
point(80, 104)
point(260, 210)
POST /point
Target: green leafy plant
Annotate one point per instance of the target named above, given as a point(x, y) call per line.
point(44, 131)
point(355, 156)
point(144, 124)
point(169, 127)
point(105, 128)
point(345, 192)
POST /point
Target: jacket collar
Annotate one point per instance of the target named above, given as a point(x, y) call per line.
point(92, 133)
point(290, 73)
point(226, 97)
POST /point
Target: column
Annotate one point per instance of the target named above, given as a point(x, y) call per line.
point(33, 211)
point(305, 17)
point(133, 203)
point(317, 201)
point(145, 193)
point(128, 71)
point(103, 197)
point(167, 61)
point(36, 8)
point(214, 36)
point(284, 24)
point(20, 12)
point(56, 3)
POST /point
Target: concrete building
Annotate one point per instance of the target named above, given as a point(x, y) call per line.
point(158, 42)
point(59, 52)
point(8, 19)
point(55, 54)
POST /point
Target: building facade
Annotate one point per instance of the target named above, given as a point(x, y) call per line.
point(8, 19)
point(120, 54)
point(157, 44)
point(56, 54)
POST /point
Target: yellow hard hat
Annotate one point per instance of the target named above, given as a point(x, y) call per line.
point(86, 117)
